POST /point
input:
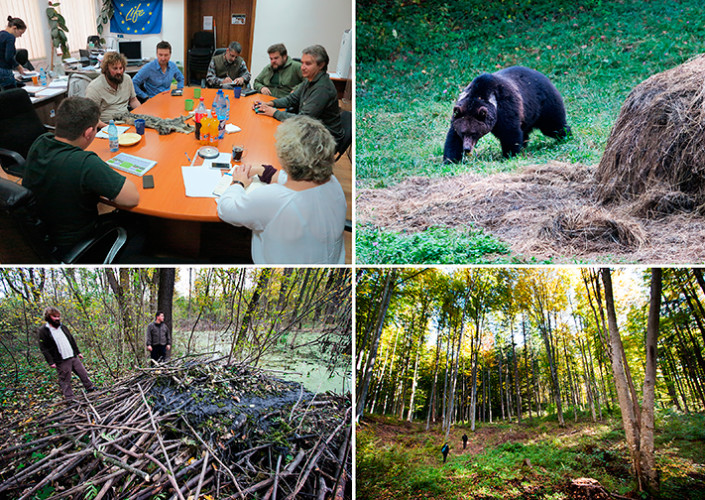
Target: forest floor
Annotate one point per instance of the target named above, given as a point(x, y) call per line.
point(536, 459)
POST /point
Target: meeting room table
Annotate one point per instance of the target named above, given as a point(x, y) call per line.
point(189, 226)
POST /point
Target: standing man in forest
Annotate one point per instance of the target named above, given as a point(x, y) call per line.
point(61, 352)
point(158, 338)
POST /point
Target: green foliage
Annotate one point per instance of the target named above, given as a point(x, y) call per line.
point(436, 245)
point(58, 30)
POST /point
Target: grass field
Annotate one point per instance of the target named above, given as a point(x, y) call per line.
point(414, 57)
point(535, 459)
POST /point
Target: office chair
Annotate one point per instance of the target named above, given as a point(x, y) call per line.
point(346, 119)
point(28, 237)
point(78, 82)
point(22, 58)
point(199, 56)
point(95, 40)
point(19, 127)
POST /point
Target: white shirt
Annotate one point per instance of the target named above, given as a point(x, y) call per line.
point(290, 227)
point(62, 342)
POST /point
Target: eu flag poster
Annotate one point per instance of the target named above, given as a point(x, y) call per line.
point(133, 17)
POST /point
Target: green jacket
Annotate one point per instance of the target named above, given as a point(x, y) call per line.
point(317, 99)
point(289, 77)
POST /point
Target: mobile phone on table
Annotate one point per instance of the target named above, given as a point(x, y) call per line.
point(147, 182)
point(223, 166)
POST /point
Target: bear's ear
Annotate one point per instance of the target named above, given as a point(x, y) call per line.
point(482, 113)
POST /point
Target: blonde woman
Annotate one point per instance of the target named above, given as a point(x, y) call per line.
point(299, 218)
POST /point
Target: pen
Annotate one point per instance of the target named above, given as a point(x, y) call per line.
point(187, 156)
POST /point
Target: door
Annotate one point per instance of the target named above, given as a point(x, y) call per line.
point(233, 21)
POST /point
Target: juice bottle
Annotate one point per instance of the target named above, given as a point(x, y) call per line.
point(198, 116)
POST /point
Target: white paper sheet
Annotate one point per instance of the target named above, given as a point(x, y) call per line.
point(103, 134)
point(200, 182)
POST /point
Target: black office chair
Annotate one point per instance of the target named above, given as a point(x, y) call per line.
point(19, 127)
point(346, 119)
point(95, 40)
point(30, 242)
point(199, 56)
point(22, 58)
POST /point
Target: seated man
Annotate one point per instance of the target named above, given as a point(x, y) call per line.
point(112, 91)
point(156, 76)
point(228, 68)
point(68, 181)
point(315, 97)
point(281, 75)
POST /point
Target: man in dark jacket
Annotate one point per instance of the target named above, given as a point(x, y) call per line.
point(61, 352)
point(158, 338)
point(315, 97)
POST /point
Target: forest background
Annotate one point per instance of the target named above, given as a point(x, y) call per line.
point(414, 57)
point(544, 369)
point(295, 320)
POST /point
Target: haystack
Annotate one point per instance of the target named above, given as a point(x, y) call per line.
point(192, 428)
point(658, 143)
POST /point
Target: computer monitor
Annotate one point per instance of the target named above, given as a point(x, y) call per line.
point(132, 50)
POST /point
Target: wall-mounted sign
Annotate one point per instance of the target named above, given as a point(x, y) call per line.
point(207, 23)
point(238, 19)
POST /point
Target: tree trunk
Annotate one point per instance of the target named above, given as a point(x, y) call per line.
point(648, 465)
point(369, 366)
point(629, 418)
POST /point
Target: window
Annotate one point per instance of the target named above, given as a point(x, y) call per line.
point(80, 20)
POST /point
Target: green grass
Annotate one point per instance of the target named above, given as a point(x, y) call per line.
point(414, 57)
point(397, 461)
point(436, 245)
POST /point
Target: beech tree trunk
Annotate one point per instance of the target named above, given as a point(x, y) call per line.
point(372, 356)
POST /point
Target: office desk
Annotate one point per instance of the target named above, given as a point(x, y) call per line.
point(185, 225)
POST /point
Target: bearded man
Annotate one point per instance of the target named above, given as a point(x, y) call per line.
point(61, 352)
point(112, 91)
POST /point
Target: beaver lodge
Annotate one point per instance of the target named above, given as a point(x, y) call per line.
point(187, 429)
point(644, 202)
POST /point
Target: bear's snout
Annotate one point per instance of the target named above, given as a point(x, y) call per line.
point(468, 144)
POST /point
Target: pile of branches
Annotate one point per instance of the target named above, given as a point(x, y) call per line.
point(186, 429)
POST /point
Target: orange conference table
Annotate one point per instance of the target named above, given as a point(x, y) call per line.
point(179, 219)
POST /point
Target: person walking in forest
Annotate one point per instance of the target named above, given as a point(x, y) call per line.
point(158, 338)
point(445, 451)
point(61, 352)
point(465, 441)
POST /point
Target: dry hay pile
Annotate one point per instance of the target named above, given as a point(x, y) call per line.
point(546, 211)
point(188, 429)
point(655, 155)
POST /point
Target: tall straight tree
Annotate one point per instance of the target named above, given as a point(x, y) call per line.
point(374, 344)
point(638, 422)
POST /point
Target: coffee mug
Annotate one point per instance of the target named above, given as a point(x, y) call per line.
point(188, 104)
point(236, 92)
point(196, 92)
point(237, 153)
point(139, 126)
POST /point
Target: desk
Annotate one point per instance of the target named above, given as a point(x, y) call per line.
point(182, 222)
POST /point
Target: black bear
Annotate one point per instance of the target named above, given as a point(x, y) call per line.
point(509, 103)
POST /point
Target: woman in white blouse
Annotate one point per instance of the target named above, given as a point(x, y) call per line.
point(299, 218)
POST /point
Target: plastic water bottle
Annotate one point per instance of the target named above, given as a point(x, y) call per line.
point(42, 76)
point(113, 137)
point(198, 116)
point(221, 108)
